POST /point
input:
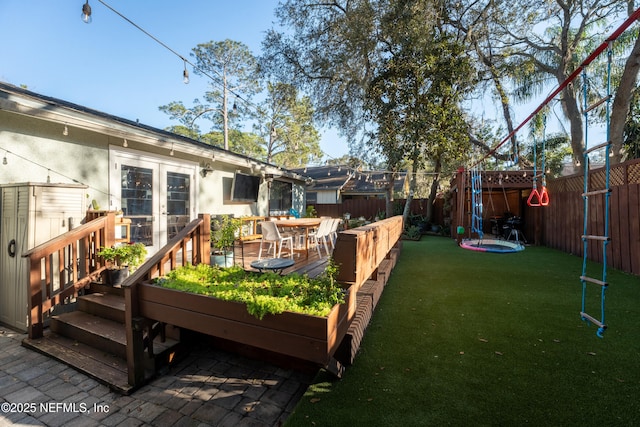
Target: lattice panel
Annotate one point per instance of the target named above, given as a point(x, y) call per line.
point(616, 176)
point(574, 184)
point(597, 180)
point(634, 173)
point(556, 186)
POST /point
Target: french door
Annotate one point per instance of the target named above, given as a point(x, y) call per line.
point(156, 195)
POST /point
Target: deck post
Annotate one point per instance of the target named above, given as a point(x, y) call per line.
point(204, 240)
point(134, 327)
point(36, 323)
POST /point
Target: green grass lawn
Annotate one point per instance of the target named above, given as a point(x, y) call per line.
point(468, 338)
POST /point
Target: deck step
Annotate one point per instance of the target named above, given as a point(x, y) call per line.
point(95, 331)
point(99, 365)
point(107, 305)
point(103, 334)
point(106, 289)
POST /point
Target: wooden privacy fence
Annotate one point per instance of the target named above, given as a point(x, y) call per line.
point(562, 221)
point(369, 208)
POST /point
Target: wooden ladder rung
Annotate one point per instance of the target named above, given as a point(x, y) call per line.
point(592, 280)
point(595, 192)
point(597, 147)
point(597, 103)
point(591, 237)
point(593, 320)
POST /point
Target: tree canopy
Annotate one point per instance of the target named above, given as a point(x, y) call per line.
point(284, 127)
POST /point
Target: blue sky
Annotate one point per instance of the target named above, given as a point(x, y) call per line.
point(111, 66)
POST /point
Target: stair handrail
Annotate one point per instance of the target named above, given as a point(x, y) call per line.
point(69, 261)
point(172, 255)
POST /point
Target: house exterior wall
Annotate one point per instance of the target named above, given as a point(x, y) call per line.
point(38, 150)
point(327, 197)
point(92, 149)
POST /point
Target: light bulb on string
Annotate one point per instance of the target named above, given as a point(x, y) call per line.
point(65, 131)
point(4, 159)
point(86, 13)
point(125, 144)
point(185, 74)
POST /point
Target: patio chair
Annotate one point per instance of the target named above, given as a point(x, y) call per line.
point(333, 232)
point(321, 235)
point(271, 235)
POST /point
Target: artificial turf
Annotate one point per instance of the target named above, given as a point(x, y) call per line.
point(468, 338)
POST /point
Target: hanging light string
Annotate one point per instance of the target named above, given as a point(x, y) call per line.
point(216, 80)
point(48, 169)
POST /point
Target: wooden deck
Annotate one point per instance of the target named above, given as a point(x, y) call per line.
point(367, 256)
point(313, 265)
point(107, 362)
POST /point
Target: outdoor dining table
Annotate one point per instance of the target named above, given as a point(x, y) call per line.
point(304, 223)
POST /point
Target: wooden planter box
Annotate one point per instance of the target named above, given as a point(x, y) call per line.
point(310, 338)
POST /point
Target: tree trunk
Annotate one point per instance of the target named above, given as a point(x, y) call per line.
point(434, 189)
point(412, 188)
point(622, 102)
point(391, 177)
point(572, 112)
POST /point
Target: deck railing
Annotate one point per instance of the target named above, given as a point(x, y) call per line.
point(190, 245)
point(59, 268)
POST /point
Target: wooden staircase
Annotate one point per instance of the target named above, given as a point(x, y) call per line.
point(92, 339)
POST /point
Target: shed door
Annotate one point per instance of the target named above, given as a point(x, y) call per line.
point(13, 268)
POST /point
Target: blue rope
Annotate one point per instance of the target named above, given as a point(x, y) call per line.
point(607, 195)
point(476, 201)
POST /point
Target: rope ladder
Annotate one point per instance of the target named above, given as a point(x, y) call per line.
point(596, 196)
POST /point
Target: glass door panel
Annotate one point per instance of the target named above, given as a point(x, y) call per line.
point(137, 202)
point(178, 203)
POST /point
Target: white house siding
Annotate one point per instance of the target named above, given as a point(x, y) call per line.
point(39, 152)
point(327, 197)
point(32, 140)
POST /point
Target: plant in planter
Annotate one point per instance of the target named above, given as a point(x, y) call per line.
point(122, 259)
point(224, 230)
point(256, 309)
point(261, 293)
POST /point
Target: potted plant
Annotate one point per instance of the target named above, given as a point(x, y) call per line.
point(224, 230)
point(121, 260)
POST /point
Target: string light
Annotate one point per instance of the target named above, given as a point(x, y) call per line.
point(86, 13)
point(185, 73)
point(4, 159)
point(65, 131)
point(125, 144)
point(171, 153)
